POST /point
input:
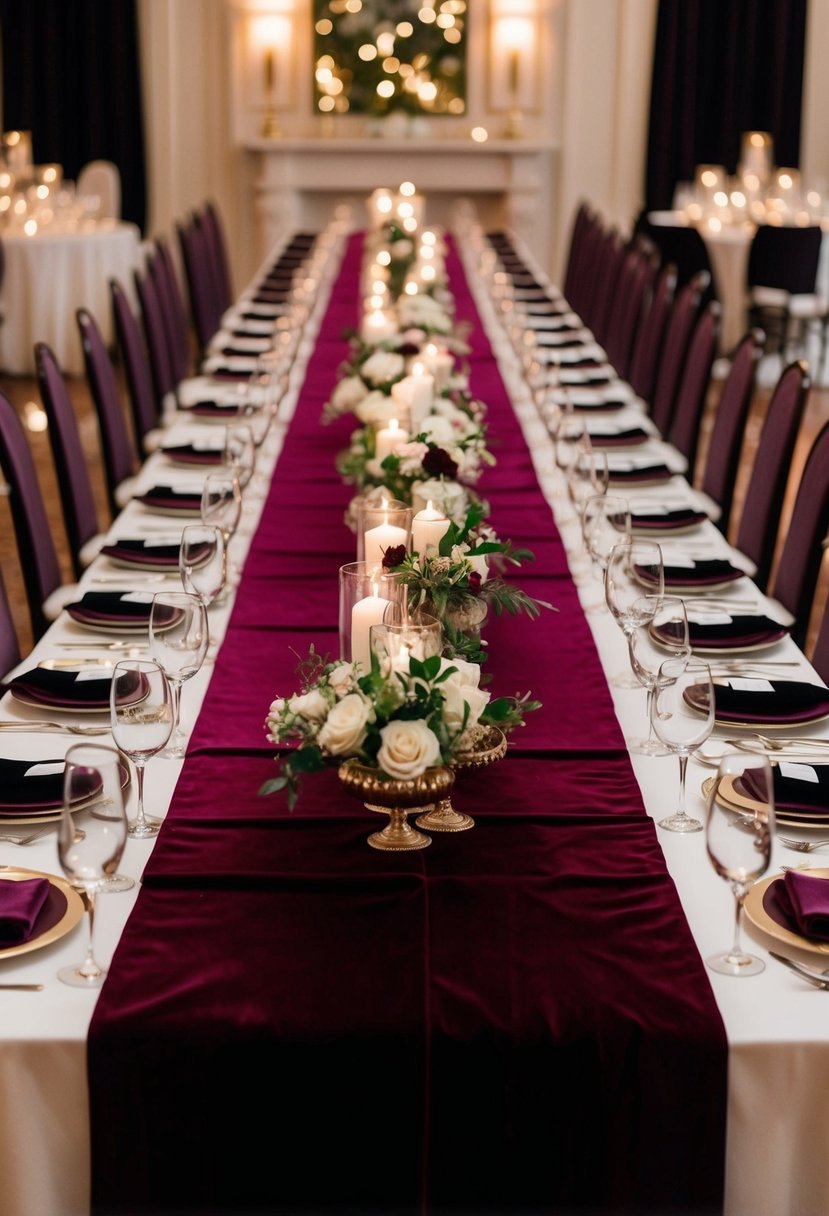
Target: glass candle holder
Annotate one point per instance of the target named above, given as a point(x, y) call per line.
point(368, 596)
point(382, 526)
point(394, 643)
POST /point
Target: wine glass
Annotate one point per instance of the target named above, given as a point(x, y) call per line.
point(605, 523)
point(240, 452)
point(92, 775)
point(202, 562)
point(740, 856)
point(141, 711)
point(664, 635)
point(587, 478)
point(221, 505)
point(633, 566)
point(178, 643)
point(570, 433)
point(682, 712)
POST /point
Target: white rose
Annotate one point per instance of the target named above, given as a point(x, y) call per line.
point(438, 429)
point(344, 730)
point(348, 393)
point(383, 365)
point(457, 696)
point(468, 674)
point(408, 748)
point(376, 407)
point(447, 496)
point(341, 679)
point(310, 705)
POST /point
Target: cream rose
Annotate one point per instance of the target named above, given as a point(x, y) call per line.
point(341, 679)
point(468, 674)
point(381, 366)
point(408, 748)
point(376, 407)
point(344, 730)
point(348, 393)
point(310, 705)
point(456, 697)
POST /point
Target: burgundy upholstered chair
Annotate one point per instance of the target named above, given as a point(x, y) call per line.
point(119, 450)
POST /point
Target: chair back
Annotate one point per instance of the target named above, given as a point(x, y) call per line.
point(693, 388)
point(77, 496)
point(136, 363)
point(583, 288)
point(582, 221)
point(722, 461)
point(759, 519)
point(9, 642)
point(205, 311)
point(785, 257)
point(650, 334)
point(683, 318)
point(164, 378)
point(801, 555)
point(35, 545)
point(682, 246)
point(101, 179)
point(120, 458)
point(216, 243)
point(176, 321)
point(609, 273)
point(635, 282)
point(819, 657)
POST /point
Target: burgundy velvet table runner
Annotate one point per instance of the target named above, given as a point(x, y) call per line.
point(514, 1019)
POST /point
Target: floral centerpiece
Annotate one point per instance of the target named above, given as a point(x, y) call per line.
point(398, 721)
point(462, 581)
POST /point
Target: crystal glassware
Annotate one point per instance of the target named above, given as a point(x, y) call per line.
point(178, 644)
point(633, 567)
point(141, 726)
point(682, 712)
point(664, 635)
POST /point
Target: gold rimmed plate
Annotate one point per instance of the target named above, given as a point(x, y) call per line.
point(818, 712)
point(61, 912)
point(757, 907)
point(732, 800)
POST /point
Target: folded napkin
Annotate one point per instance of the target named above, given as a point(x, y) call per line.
point(189, 453)
point(143, 552)
point(769, 701)
point(261, 296)
point(167, 498)
point(740, 630)
point(31, 784)
point(600, 404)
point(128, 609)
point(706, 573)
point(642, 473)
point(667, 521)
point(804, 901)
point(87, 689)
point(20, 905)
point(213, 409)
point(584, 379)
point(797, 787)
point(619, 439)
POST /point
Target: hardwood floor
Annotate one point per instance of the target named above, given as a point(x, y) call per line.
point(24, 396)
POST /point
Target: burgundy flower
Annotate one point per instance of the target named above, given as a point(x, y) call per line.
point(393, 556)
point(438, 463)
point(474, 581)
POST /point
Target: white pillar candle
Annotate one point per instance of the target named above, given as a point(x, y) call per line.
point(366, 612)
point(417, 392)
point(377, 540)
point(378, 326)
point(428, 528)
point(389, 438)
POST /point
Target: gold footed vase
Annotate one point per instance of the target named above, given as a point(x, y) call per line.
point(396, 798)
point(489, 743)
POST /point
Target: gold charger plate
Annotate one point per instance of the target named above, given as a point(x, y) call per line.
point(71, 916)
point(757, 914)
point(52, 816)
point(734, 801)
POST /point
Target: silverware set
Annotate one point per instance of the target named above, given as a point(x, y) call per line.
point(820, 979)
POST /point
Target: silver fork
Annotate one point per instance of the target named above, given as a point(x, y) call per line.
point(24, 839)
point(62, 728)
point(802, 846)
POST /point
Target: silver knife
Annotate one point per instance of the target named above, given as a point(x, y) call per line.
point(820, 979)
point(22, 987)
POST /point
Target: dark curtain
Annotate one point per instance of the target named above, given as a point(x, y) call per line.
point(71, 76)
point(720, 69)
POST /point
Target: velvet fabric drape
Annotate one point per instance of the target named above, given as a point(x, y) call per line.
point(719, 70)
point(71, 76)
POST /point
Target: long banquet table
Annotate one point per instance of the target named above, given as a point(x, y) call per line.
point(516, 1018)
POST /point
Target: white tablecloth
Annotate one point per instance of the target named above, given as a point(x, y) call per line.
point(49, 276)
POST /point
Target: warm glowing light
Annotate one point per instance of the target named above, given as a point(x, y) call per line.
point(411, 288)
point(720, 198)
point(428, 91)
point(738, 199)
point(715, 224)
point(391, 64)
point(813, 198)
point(327, 104)
point(409, 224)
point(367, 52)
point(407, 189)
point(751, 181)
point(428, 273)
point(35, 417)
point(709, 178)
point(30, 227)
point(384, 257)
point(404, 29)
point(428, 237)
point(785, 181)
point(480, 135)
point(426, 15)
point(385, 44)
point(757, 139)
point(385, 89)
point(404, 210)
point(384, 206)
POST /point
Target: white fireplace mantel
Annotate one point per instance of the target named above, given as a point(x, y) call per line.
point(297, 182)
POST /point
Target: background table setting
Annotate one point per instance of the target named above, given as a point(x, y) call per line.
point(525, 1002)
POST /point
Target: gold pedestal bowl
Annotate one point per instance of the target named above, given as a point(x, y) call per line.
point(396, 798)
point(487, 745)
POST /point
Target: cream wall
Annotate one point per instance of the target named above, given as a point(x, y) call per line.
point(595, 74)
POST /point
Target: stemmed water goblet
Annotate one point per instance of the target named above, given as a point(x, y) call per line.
point(240, 453)
point(665, 635)
point(632, 566)
point(92, 775)
point(221, 505)
point(202, 562)
point(587, 477)
point(178, 643)
point(605, 523)
point(682, 712)
point(740, 856)
point(141, 726)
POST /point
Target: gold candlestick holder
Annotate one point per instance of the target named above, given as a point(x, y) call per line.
point(270, 128)
point(488, 745)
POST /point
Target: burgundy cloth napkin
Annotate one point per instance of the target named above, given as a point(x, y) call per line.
point(788, 701)
point(39, 790)
point(168, 498)
point(211, 409)
point(618, 439)
point(742, 630)
point(111, 607)
point(604, 406)
point(667, 521)
point(584, 381)
point(808, 794)
point(804, 900)
point(187, 453)
point(643, 473)
point(708, 572)
point(142, 553)
point(64, 690)
point(20, 903)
